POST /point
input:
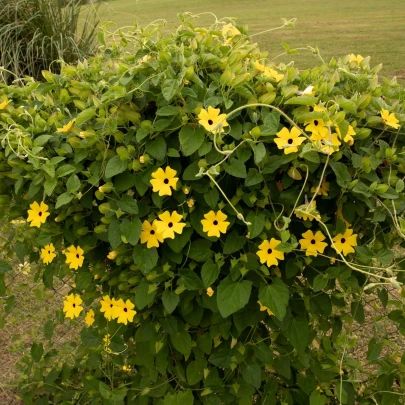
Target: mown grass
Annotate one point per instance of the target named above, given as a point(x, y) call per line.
point(372, 27)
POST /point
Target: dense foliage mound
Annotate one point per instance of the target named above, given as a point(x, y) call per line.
point(220, 217)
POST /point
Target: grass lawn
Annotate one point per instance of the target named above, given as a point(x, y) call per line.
point(372, 27)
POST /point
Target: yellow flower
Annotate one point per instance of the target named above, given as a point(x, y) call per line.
point(123, 311)
point(74, 257)
point(319, 108)
point(112, 255)
point(331, 144)
point(210, 292)
point(258, 66)
point(323, 190)
point(263, 308)
point(169, 224)
point(389, 119)
point(48, 253)
point(229, 31)
point(313, 243)
point(66, 128)
point(317, 128)
point(211, 118)
point(356, 59)
point(190, 202)
point(89, 319)
point(72, 306)
point(268, 254)
point(273, 74)
point(107, 342)
point(4, 104)
point(307, 212)
point(289, 140)
point(214, 223)
point(126, 368)
point(107, 306)
point(349, 136)
point(37, 214)
point(164, 180)
point(150, 235)
point(343, 243)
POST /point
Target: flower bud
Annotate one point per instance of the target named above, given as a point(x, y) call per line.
point(136, 165)
point(104, 208)
point(83, 231)
point(112, 255)
point(99, 195)
point(190, 202)
point(100, 229)
point(106, 188)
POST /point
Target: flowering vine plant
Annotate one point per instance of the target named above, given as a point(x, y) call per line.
point(220, 217)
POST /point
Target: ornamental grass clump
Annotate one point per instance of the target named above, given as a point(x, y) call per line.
point(221, 218)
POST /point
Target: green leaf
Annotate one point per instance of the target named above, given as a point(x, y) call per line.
point(374, 350)
point(298, 333)
point(342, 174)
point(10, 304)
point(253, 375)
point(169, 88)
point(195, 371)
point(114, 234)
point(211, 198)
point(234, 242)
point(167, 111)
point(143, 295)
point(37, 351)
point(271, 123)
point(232, 296)
point(49, 186)
point(209, 273)
point(170, 300)
point(302, 100)
point(317, 398)
point(128, 204)
point(85, 116)
point(253, 178)
point(115, 166)
point(180, 240)
point(275, 297)
point(257, 222)
point(320, 282)
point(131, 231)
point(200, 250)
point(83, 279)
point(89, 337)
point(235, 168)
point(221, 357)
point(190, 279)
point(145, 258)
point(4, 267)
point(157, 148)
point(191, 139)
point(63, 199)
point(73, 184)
point(182, 342)
point(259, 151)
point(64, 170)
point(49, 327)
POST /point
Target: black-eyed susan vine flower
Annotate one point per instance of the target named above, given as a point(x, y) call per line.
point(317, 128)
point(389, 119)
point(123, 311)
point(37, 214)
point(330, 144)
point(323, 190)
point(72, 306)
point(112, 255)
point(89, 319)
point(289, 140)
point(169, 224)
point(273, 74)
point(210, 292)
point(74, 257)
point(263, 308)
point(268, 254)
point(107, 306)
point(215, 223)
point(150, 235)
point(66, 128)
point(313, 243)
point(355, 58)
point(348, 138)
point(164, 180)
point(4, 104)
point(212, 120)
point(229, 31)
point(48, 253)
point(344, 243)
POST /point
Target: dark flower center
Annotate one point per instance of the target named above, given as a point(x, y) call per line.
point(343, 240)
point(269, 251)
point(166, 181)
point(210, 122)
point(125, 310)
point(40, 213)
point(78, 255)
point(49, 252)
point(170, 224)
point(74, 305)
point(316, 122)
point(215, 222)
point(111, 305)
point(152, 232)
point(313, 241)
point(290, 141)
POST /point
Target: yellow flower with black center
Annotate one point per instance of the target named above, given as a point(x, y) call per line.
point(289, 140)
point(263, 308)
point(37, 214)
point(164, 180)
point(48, 253)
point(344, 243)
point(317, 128)
point(349, 136)
point(66, 128)
point(268, 254)
point(74, 257)
point(112, 255)
point(323, 190)
point(273, 74)
point(150, 235)
point(89, 319)
point(389, 119)
point(4, 103)
point(123, 311)
point(212, 120)
point(210, 292)
point(313, 243)
point(356, 59)
point(330, 144)
point(169, 224)
point(72, 306)
point(214, 223)
point(107, 306)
